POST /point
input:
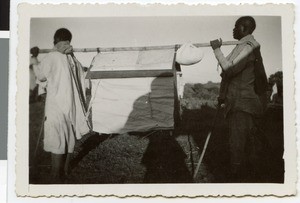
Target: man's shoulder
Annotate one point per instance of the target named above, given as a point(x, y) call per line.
point(53, 55)
point(249, 42)
point(253, 43)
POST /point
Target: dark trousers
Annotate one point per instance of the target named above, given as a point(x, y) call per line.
point(241, 146)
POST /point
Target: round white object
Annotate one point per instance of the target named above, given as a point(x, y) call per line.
point(188, 54)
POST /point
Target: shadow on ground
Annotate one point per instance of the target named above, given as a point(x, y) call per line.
point(90, 143)
point(165, 160)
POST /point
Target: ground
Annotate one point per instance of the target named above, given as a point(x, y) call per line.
point(141, 158)
point(160, 157)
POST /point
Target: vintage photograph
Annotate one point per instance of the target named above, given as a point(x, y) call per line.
point(148, 100)
point(143, 113)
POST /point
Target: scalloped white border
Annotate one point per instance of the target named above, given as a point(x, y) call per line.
point(27, 11)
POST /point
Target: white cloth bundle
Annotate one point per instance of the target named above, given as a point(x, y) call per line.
point(188, 54)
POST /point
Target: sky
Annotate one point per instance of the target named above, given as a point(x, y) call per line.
point(153, 31)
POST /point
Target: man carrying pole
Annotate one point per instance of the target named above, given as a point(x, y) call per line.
point(243, 82)
point(64, 120)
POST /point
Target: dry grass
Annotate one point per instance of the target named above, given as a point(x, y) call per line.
point(139, 158)
point(159, 157)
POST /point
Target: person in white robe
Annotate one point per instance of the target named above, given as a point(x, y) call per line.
point(64, 109)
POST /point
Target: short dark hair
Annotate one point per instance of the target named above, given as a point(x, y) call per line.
point(34, 51)
point(248, 22)
point(62, 34)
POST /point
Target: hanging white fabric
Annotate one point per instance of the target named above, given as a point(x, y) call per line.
point(188, 54)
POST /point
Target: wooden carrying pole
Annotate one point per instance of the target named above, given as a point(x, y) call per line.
point(113, 49)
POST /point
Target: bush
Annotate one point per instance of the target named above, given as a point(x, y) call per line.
point(197, 95)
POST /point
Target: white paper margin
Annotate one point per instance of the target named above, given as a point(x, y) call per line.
point(167, 189)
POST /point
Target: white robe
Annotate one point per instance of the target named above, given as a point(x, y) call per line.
point(64, 118)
